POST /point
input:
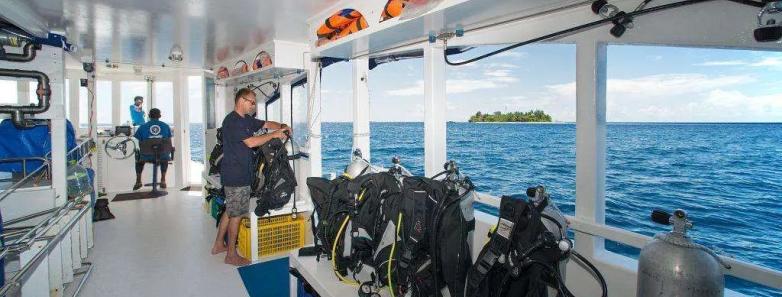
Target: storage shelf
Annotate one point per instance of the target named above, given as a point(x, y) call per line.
point(262, 74)
point(450, 14)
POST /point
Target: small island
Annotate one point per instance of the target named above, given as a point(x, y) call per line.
point(515, 117)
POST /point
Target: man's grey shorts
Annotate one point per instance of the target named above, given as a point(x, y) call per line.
point(237, 201)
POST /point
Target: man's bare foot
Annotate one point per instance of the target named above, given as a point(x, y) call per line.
point(236, 260)
point(218, 249)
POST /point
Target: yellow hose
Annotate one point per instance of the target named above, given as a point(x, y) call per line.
point(391, 255)
point(334, 248)
point(334, 255)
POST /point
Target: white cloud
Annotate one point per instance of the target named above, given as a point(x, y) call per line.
point(768, 61)
point(414, 90)
point(723, 63)
point(765, 62)
point(675, 97)
point(673, 84)
point(512, 54)
point(493, 78)
point(501, 65)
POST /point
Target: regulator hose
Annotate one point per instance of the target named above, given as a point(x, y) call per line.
point(599, 276)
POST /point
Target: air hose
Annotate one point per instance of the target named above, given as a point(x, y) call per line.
point(334, 255)
point(391, 256)
point(334, 248)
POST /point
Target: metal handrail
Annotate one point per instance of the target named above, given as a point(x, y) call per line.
point(84, 147)
point(20, 276)
point(744, 270)
point(27, 217)
point(19, 183)
point(24, 161)
point(33, 234)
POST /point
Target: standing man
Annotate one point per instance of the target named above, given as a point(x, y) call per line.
point(137, 111)
point(236, 170)
point(152, 129)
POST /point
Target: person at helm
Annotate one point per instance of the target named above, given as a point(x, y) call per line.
point(154, 128)
point(137, 111)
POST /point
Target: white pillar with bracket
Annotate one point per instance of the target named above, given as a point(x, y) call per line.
point(181, 131)
point(361, 107)
point(590, 140)
point(314, 120)
point(434, 108)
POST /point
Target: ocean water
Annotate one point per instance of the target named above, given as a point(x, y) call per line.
point(728, 177)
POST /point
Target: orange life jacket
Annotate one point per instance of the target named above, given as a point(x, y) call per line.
point(392, 9)
point(341, 24)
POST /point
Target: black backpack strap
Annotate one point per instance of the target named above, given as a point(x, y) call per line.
point(511, 216)
point(414, 208)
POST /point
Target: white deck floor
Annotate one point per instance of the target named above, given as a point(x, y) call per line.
point(159, 247)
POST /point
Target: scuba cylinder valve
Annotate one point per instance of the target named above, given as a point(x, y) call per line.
point(672, 264)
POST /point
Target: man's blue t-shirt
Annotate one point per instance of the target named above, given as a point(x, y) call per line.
point(153, 129)
point(236, 168)
point(136, 115)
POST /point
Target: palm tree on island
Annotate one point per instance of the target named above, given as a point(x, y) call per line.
point(515, 117)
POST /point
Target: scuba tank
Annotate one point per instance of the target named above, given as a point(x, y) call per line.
point(673, 265)
point(358, 166)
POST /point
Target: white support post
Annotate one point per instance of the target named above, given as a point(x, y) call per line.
point(149, 100)
point(73, 103)
point(285, 103)
point(37, 284)
point(23, 92)
point(361, 107)
point(116, 102)
point(57, 274)
point(56, 113)
point(314, 119)
point(182, 131)
point(434, 108)
point(590, 140)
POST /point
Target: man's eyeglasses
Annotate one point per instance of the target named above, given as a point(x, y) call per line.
point(251, 101)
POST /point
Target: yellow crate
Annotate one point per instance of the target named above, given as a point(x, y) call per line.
point(276, 235)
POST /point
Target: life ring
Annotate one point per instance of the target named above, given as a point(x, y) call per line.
point(392, 9)
point(262, 59)
point(341, 24)
point(240, 67)
point(222, 72)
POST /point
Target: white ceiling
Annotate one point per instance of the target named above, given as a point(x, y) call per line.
point(143, 31)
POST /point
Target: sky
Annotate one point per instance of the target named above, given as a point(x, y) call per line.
point(645, 84)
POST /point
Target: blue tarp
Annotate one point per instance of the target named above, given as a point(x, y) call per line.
point(266, 279)
point(27, 143)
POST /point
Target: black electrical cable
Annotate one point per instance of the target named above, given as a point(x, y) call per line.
point(590, 25)
point(599, 276)
point(750, 3)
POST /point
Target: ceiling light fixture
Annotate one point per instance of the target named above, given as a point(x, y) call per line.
point(175, 55)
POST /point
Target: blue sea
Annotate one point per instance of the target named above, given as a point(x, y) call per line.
point(728, 177)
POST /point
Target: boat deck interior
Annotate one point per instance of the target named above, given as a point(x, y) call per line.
point(70, 62)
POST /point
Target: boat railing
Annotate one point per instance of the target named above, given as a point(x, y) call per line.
point(744, 270)
point(79, 154)
point(28, 176)
point(21, 239)
point(38, 233)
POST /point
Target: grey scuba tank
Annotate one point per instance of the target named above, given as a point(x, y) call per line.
point(673, 265)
